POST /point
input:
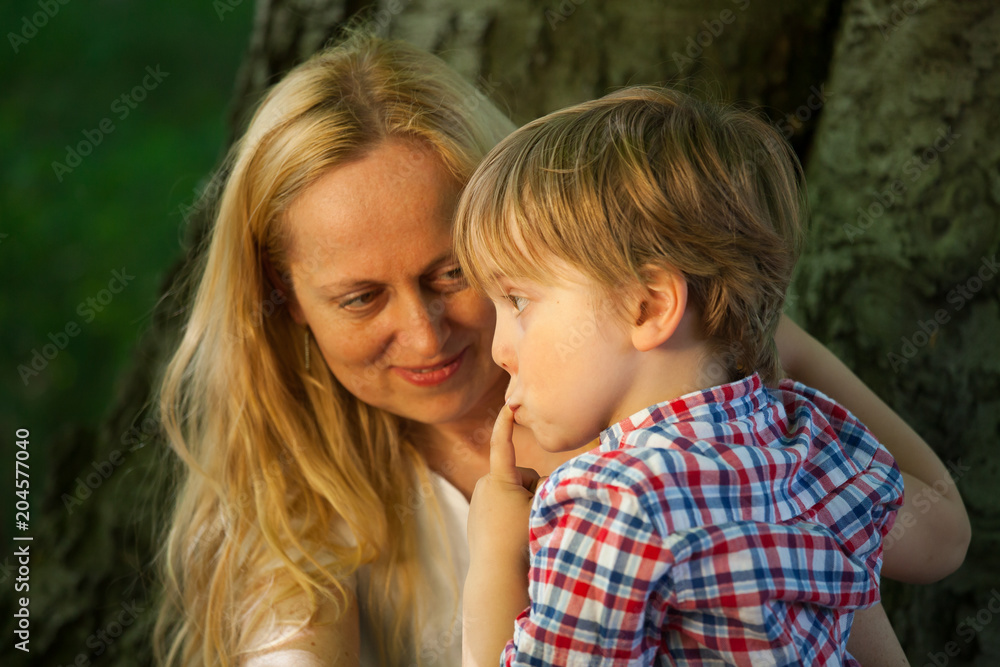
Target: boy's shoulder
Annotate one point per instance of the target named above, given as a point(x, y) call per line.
point(765, 454)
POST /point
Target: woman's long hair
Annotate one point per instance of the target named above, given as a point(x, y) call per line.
point(291, 483)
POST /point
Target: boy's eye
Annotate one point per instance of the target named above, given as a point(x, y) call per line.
point(519, 302)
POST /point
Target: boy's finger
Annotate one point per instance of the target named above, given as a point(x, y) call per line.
point(529, 478)
point(534, 482)
point(502, 463)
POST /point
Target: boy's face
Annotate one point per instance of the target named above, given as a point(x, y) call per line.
point(570, 359)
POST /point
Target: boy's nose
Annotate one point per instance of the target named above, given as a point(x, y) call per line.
point(503, 355)
point(503, 351)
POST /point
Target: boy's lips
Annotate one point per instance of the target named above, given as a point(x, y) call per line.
point(514, 408)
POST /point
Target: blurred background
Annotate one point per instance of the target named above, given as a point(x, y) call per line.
point(86, 241)
point(115, 113)
point(65, 230)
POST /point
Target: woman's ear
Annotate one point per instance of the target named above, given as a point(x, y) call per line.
point(662, 304)
point(284, 286)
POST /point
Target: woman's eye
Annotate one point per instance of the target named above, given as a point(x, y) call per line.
point(359, 301)
point(519, 302)
point(452, 280)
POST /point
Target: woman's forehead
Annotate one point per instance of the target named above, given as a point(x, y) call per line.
point(373, 216)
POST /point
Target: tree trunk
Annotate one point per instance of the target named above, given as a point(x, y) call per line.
point(889, 99)
point(900, 275)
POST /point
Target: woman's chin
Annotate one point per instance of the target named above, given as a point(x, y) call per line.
point(441, 409)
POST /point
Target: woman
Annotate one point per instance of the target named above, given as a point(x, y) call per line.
point(333, 393)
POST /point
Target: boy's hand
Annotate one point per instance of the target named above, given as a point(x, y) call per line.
point(496, 587)
point(501, 502)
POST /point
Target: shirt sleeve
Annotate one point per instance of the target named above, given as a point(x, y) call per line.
point(596, 560)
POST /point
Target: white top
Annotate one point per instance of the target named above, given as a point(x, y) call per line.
point(441, 615)
point(445, 561)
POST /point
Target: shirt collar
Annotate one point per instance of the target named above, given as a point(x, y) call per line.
point(724, 402)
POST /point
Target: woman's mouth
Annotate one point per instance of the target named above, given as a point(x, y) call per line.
point(428, 376)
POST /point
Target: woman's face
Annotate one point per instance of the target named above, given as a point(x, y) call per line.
point(375, 280)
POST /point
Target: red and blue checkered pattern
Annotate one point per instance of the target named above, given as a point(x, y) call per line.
point(740, 525)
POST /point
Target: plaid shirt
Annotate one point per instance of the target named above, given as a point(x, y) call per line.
point(736, 525)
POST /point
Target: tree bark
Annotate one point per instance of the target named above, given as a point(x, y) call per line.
point(892, 90)
point(905, 190)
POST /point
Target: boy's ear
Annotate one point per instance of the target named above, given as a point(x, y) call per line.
point(285, 288)
point(662, 304)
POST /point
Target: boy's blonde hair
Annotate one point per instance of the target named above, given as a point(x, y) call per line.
point(647, 177)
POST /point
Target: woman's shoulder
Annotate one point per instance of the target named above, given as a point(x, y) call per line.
point(299, 634)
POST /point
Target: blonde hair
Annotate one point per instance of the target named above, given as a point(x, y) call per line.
point(276, 455)
point(646, 177)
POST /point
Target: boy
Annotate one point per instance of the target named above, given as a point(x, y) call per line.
point(638, 249)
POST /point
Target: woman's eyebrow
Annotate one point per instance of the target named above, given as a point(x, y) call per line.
point(348, 284)
point(443, 258)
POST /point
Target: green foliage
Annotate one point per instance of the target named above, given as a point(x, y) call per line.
point(84, 250)
point(63, 234)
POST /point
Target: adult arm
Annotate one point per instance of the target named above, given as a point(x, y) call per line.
point(932, 530)
point(872, 641)
point(328, 640)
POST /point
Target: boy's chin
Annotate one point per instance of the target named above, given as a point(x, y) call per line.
point(554, 443)
point(565, 445)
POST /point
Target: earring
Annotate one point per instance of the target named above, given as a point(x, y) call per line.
point(307, 349)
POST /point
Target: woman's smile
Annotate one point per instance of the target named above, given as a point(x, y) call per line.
point(383, 295)
point(429, 376)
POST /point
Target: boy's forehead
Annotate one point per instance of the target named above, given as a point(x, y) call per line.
point(497, 282)
point(553, 272)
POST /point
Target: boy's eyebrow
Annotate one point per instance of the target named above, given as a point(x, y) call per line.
point(503, 281)
point(496, 284)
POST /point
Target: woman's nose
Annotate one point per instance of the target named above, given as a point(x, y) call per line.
point(426, 330)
